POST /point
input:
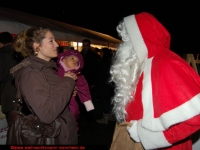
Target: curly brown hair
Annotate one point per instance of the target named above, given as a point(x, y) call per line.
point(23, 42)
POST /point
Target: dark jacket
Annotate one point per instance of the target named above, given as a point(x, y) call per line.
point(47, 103)
point(7, 87)
point(105, 89)
point(91, 67)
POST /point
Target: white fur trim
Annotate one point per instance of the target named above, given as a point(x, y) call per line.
point(147, 97)
point(136, 37)
point(133, 131)
point(179, 114)
point(89, 105)
point(151, 139)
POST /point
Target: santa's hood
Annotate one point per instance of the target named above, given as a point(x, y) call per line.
point(147, 35)
point(66, 53)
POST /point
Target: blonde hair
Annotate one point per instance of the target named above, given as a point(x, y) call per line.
point(125, 72)
point(23, 42)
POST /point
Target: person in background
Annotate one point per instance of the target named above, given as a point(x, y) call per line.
point(72, 48)
point(7, 61)
point(156, 90)
point(105, 89)
point(91, 74)
point(47, 94)
point(72, 60)
point(91, 66)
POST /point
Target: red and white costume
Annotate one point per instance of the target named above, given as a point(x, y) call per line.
point(167, 98)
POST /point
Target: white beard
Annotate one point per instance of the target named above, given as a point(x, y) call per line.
point(125, 72)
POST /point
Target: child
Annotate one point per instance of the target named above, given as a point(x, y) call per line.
point(72, 60)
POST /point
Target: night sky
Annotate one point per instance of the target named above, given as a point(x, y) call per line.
point(182, 18)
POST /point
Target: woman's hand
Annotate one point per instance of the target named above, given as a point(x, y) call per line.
point(74, 92)
point(71, 75)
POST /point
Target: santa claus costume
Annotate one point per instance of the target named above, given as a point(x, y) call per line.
point(164, 106)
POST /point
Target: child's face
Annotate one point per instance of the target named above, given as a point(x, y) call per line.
point(71, 61)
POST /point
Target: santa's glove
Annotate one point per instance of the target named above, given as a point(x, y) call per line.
point(133, 131)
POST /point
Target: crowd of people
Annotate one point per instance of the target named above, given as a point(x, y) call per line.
point(32, 54)
point(143, 83)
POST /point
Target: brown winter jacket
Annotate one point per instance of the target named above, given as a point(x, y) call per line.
point(47, 104)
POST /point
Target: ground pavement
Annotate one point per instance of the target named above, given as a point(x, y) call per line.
point(99, 136)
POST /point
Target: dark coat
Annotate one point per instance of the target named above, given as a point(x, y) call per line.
point(91, 71)
point(105, 88)
point(91, 67)
point(47, 103)
point(7, 87)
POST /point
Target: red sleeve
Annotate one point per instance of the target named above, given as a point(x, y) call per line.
point(182, 130)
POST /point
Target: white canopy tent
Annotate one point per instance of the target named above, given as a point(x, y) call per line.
point(15, 21)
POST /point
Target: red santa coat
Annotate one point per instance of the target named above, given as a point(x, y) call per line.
point(167, 98)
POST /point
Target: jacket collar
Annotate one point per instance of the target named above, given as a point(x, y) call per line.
point(40, 63)
point(32, 61)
